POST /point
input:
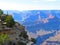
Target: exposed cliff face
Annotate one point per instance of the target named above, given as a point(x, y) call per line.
point(17, 33)
point(19, 36)
point(11, 32)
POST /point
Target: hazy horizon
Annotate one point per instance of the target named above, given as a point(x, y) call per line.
point(29, 5)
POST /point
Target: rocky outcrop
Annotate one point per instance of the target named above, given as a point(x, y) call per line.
point(16, 32)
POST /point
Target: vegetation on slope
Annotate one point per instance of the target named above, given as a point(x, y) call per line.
point(1, 12)
point(3, 37)
point(8, 21)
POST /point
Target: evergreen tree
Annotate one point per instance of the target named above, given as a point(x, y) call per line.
point(1, 12)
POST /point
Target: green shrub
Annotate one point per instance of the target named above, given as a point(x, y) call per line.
point(3, 37)
point(33, 40)
point(10, 21)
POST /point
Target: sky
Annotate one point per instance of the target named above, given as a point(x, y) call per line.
point(30, 4)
